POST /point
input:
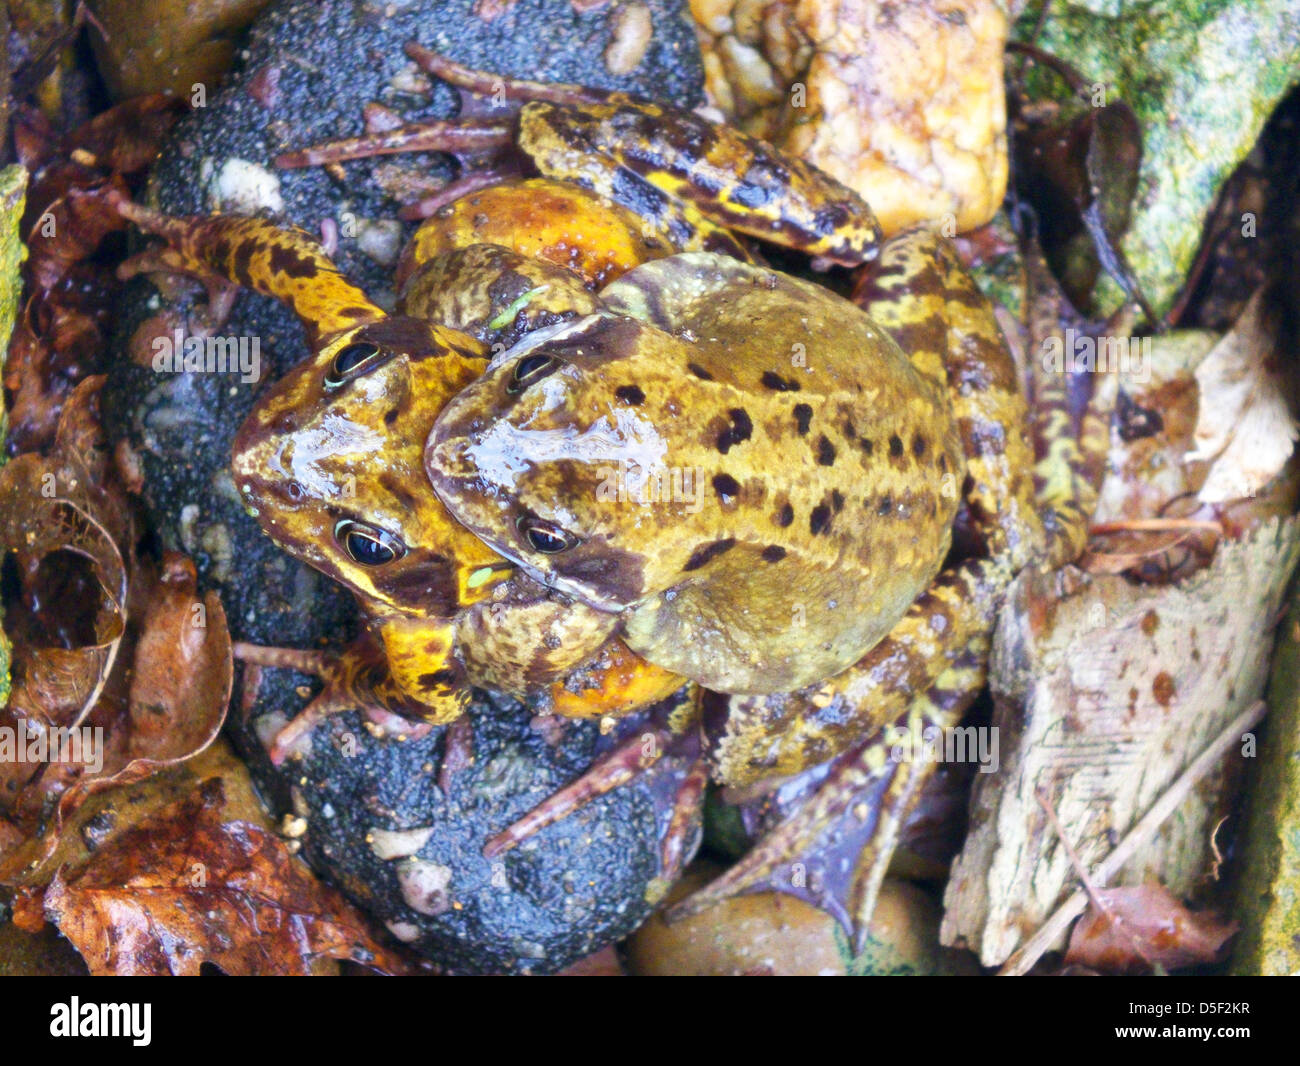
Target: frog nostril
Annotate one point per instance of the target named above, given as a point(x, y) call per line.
point(294, 491)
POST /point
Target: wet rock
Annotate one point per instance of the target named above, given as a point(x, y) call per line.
point(183, 43)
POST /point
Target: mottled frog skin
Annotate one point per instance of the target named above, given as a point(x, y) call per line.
point(823, 470)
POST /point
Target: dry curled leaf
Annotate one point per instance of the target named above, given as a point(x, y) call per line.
point(182, 673)
point(1144, 927)
point(180, 687)
point(64, 525)
point(55, 504)
point(1245, 424)
point(186, 886)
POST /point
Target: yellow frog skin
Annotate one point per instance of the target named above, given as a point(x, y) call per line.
point(458, 464)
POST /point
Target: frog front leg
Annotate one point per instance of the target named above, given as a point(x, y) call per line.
point(926, 672)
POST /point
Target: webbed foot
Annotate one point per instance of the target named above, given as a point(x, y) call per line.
point(836, 847)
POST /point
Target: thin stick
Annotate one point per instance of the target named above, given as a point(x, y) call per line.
point(1033, 949)
point(1156, 525)
point(1094, 895)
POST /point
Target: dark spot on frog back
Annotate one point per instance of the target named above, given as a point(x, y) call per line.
point(705, 553)
point(819, 521)
point(777, 383)
point(802, 418)
point(741, 428)
point(727, 488)
point(630, 394)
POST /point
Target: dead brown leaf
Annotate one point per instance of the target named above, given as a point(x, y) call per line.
point(1143, 927)
point(186, 887)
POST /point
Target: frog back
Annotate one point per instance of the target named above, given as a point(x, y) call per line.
point(832, 469)
point(743, 466)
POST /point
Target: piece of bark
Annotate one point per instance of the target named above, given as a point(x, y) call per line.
point(1104, 692)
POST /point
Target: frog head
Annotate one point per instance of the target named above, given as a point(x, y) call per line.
point(330, 465)
point(550, 457)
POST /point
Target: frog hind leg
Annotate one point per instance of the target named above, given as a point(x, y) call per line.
point(694, 178)
point(699, 181)
point(548, 134)
point(669, 736)
point(661, 162)
point(931, 666)
point(864, 800)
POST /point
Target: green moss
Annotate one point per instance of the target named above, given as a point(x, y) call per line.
point(1268, 895)
point(13, 189)
point(1203, 76)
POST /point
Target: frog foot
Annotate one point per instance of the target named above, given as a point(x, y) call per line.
point(167, 260)
point(481, 143)
point(641, 748)
point(835, 849)
point(469, 137)
point(347, 687)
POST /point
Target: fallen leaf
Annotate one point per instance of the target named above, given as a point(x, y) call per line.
point(186, 886)
point(1144, 927)
point(1245, 424)
point(56, 505)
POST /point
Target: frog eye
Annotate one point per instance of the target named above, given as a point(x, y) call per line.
point(544, 537)
point(530, 369)
point(368, 545)
point(353, 360)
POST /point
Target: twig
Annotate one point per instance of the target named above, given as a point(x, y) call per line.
point(1032, 950)
point(1098, 903)
point(1156, 525)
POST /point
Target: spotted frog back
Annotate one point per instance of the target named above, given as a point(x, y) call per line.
point(742, 465)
